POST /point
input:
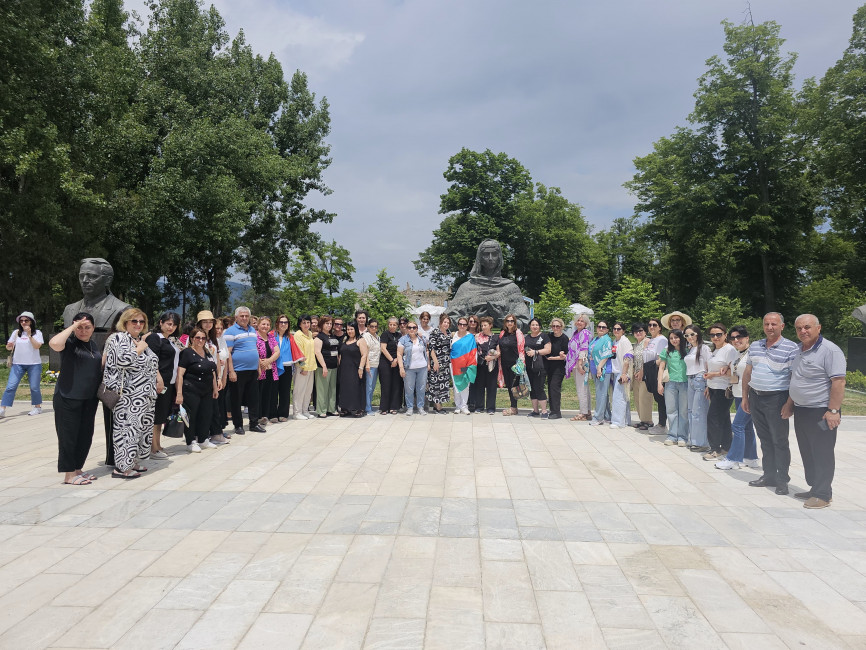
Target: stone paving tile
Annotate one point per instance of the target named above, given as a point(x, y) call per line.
point(439, 532)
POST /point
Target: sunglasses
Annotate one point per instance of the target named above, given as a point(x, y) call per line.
point(737, 337)
point(412, 327)
point(557, 327)
point(509, 320)
point(199, 338)
point(617, 329)
point(461, 324)
point(690, 335)
point(601, 327)
point(716, 335)
point(653, 325)
point(283, 322)
point(136, 321)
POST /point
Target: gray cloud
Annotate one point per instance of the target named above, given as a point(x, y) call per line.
point(574, 91)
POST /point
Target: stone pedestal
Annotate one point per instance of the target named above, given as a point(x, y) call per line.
point(857, 353)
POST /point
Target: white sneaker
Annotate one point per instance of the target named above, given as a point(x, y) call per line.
point(615, 426)
point(37, 410)
point(194, 448)
point(465, 411)
point(158, 455)
point(727, 464)
point(670, 443)
point(754, 463)
point(207, 444)
point(408, 413)
point(595, 423)
point(300, 416)
point(2, 412)
point(422, 412)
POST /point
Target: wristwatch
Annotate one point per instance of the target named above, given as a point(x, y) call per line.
point(834, 411)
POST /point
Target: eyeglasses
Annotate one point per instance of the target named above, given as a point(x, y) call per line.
point(137, 321)
point(690, 335)
point(461, 324)
point(617, 329)
point(199, 338)
point(653, 325)
point(601, 327)
point(556, 327)
point(472, 321)
point(716, 335)
point(412, 327)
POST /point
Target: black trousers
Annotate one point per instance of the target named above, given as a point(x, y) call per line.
point(555, 376)
point(218, 420)
point(108, 423)
point(536, 384)
point(817, 449)
point(511, 380)
point(485, 388)
point(281, 398)
point(267, 393)
point(391, 383)
point(773, 433)
point(199, 404)
point(74, 420)
point(651, 379)
point(719, 420)
point(245, 390)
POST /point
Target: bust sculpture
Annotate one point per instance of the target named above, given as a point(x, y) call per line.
point(486, 292)
point(860, 314)
point(95, 276)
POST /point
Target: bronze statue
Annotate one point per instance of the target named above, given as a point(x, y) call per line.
point(860, 314)
point(95, 276)
point(486, 292)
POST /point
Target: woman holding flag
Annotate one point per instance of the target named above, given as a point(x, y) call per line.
point(464, 364)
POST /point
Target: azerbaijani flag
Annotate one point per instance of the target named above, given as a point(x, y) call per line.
point(464, 361)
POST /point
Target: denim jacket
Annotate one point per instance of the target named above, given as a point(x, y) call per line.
point(406, 342)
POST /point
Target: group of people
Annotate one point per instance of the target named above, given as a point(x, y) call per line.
point(695, 385)
point(218, 367)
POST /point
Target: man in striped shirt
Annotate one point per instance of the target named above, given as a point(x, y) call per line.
point(765, 392)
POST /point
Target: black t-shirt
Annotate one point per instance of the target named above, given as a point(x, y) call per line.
point(557, 344)
point(196, 368)
point(536, 342)
point(390, 339)
point(165, 352)
point(80, 369)
point(508, 348)
point(330, 349)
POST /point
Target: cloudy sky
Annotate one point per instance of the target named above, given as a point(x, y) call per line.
point(574, 90)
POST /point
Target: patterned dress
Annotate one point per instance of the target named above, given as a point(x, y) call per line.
point(133, 375)
point(439, 383)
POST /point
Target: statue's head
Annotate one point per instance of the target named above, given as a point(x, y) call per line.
point(95, 276)
point(488, 260)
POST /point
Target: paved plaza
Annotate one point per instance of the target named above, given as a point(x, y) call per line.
point(426, 532)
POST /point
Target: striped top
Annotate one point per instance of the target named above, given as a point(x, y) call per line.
point(771, 366)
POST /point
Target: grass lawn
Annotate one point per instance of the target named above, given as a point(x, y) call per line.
point(854, 404)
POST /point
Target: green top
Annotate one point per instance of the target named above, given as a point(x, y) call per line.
point(675, 365)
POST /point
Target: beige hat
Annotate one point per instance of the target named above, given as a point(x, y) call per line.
point(666, 319)
point(204, 315)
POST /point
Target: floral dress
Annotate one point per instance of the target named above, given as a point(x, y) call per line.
point(439, 383)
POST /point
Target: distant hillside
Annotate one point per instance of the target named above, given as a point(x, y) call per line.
point(236, 292)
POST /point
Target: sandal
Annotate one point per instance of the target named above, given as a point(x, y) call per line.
point(89, 477)
point(79, 479)
point(509, 411)
point(116, 474)
point(140, 469)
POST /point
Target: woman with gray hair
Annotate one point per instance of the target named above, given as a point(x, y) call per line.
point(577, 364)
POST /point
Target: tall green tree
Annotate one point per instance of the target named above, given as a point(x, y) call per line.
point(384, 299)
point(839, 104)
point(634, 301)
point(312, 282)
point(729, 200)
point(553, 303)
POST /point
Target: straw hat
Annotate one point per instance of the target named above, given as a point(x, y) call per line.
point(666, 319)
point(204, 315)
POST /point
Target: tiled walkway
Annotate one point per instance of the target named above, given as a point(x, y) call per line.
point(437, 532)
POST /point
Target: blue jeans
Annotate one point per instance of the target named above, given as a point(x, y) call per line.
point(372, 373)
point(698, 407)
point(621, 410)
point(743, 444)
point(415, 383)
point(16, 374)
point(677, 407)
point(602, 403)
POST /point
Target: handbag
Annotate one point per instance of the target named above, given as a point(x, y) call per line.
point(537, 363)
point(174, 425)
point(108, 396)
point(522, 389)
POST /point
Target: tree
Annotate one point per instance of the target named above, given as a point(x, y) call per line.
point(839, 104)
point(728, 201)
point(832, 299)
point(480, 203)
point(312, 282)
point(634, 301)
point(553, 303)
point(384, 299)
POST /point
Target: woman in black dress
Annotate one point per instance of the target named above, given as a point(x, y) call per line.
point(439, 377)
point(389, 372)
point(165, 346)
point(537, 348)
point(353, 359)
point(509, 348)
